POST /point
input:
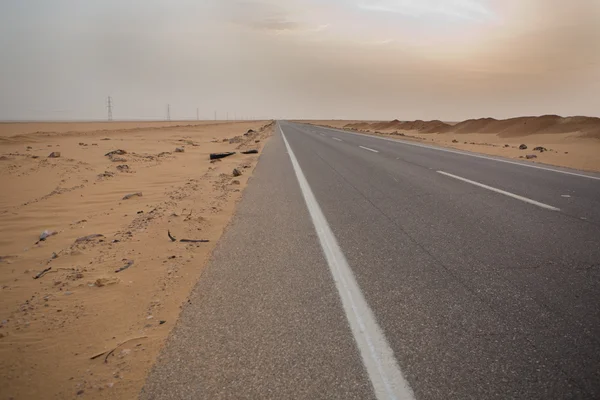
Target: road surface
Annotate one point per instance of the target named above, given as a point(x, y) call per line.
point(363, 268)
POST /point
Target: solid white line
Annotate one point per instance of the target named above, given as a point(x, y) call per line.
point(493, 189)
point(467, 154)
point(366, 148)
point(339, 140)
point(378, 358)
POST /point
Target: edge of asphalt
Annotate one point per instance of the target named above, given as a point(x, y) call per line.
point(265, 319)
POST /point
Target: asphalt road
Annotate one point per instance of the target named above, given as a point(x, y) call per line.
point(386, 269)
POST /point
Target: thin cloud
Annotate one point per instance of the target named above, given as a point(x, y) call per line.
point(464, 9)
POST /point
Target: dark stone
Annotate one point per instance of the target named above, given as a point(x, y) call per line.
point(523, 147)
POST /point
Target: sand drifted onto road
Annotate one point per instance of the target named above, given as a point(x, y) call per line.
point(91, 223)
point(569, 142)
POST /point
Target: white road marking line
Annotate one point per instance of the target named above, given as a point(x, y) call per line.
point(493, 189)
point(339, 140)
point(469, 154)
point(366, 148)
point(378, 358)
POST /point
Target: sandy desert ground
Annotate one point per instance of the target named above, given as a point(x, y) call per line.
point(570, 142)
point(92, 325)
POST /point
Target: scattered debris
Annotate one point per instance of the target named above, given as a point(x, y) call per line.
point(215, 156)
point(454, 141)
point(179, 150)
point(250, 152)
point(257, 141)
point(101, 282)
point(523, 147)
point(54, 256)
point(117, 159)
point(46, 234)
point(161, 322)
point(82, 144)
point(108, 353)
point(119, 152)
point(106, 174)
point(171, 237)
point(88, 238)
point(506, 145)
point(540, 149)
point(530, 156)
point(235, 182)
point(39, 275)
point(128, 264)
point(250, 131)
point(54, 154)
point(122, 168)
point(236, 172)
point(129, 196)
point(140, 212)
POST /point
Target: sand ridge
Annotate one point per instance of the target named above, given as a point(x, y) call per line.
point(116, 280)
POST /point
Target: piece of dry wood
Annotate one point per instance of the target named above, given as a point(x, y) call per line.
point(113, 350)
point(129, 196)
point(88, 237)
point(171, 237)
point(127, 265)
point(194, 241)
point(42, 273)
point(216, 156)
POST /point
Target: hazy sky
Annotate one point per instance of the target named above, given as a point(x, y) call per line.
point(352, 59)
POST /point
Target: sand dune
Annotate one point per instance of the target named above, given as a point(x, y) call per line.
point(51, 327)
point(521, 126)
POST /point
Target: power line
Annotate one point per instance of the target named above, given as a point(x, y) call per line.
point(109, 105)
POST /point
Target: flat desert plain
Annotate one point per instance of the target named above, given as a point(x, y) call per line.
point(84, 312)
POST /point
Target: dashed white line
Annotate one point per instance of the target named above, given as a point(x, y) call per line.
point(464, 153)
point(509, 194)
point(339, 140)
point(366, 148)
point(378, 358)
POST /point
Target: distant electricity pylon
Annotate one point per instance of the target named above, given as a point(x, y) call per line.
point(109, 105)
point(168, 112)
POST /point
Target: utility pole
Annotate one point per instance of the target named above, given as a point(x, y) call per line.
point(215, 115)
point(109, 105)
point(227, 115)
point(168, 112)
point(197, 115)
